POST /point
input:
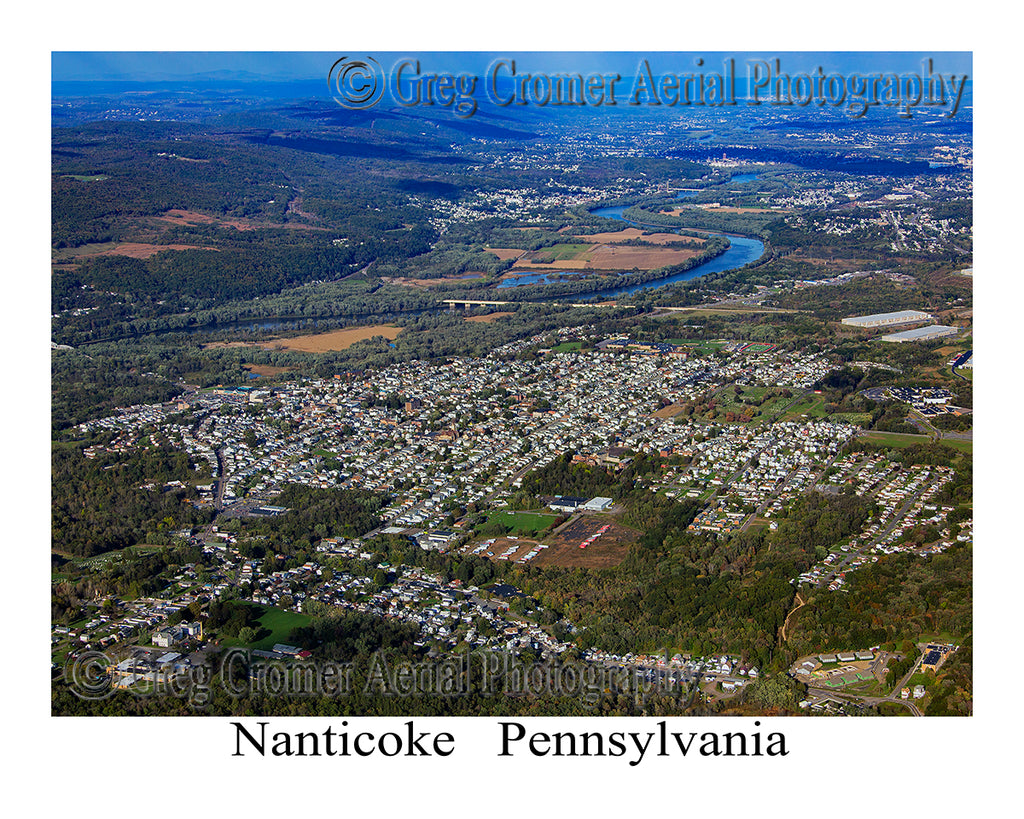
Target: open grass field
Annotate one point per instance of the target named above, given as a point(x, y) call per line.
point(812, 406)
point(958, 445)
point(729, 402)
point(699, 345)
point(893, 439)
point(504, 253)
point(567, 347)
point(525, 523)
point(892, 709)
point(280, 623)
point(177, 216)
point(561, 251)
point(855, 418)
point(135, 250)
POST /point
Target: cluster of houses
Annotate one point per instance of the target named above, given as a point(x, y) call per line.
point(446, 613)
point(511, 203)
point(438, 436)
point(764, 466)
point(904, 498)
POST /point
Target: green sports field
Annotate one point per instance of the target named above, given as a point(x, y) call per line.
point(530, 524)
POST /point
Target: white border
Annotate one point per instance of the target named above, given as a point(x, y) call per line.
point(837, 767)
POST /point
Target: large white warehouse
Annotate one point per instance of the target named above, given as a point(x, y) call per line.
point(885, 319)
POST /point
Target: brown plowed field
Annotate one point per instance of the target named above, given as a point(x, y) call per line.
point(636, 233)
point(489, 317)
point(505, 252)
point(332, 341)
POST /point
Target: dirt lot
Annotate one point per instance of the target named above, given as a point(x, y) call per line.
point(563, 549)
point(671, 411)
point(608, 549)
point(265, 369)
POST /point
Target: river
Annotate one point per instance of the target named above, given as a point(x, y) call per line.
point(742, 251)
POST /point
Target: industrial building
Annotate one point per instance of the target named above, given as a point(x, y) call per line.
point(886, 319)
point(922, 333)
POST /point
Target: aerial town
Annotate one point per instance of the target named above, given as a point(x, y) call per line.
point(676, 396)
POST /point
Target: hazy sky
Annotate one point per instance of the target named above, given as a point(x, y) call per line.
point(157, 66)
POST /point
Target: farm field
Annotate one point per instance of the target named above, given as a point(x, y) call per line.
point(336, 339)
point(331, 341)
point(725, 209)
point(635, 233)
point(504, 253)
point(608, 257)
point(605, 251)
point(489, 317)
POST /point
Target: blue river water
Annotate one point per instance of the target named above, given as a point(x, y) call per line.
point(742, 251)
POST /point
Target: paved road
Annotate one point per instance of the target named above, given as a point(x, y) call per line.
point(849, 556)
point(222, 479)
